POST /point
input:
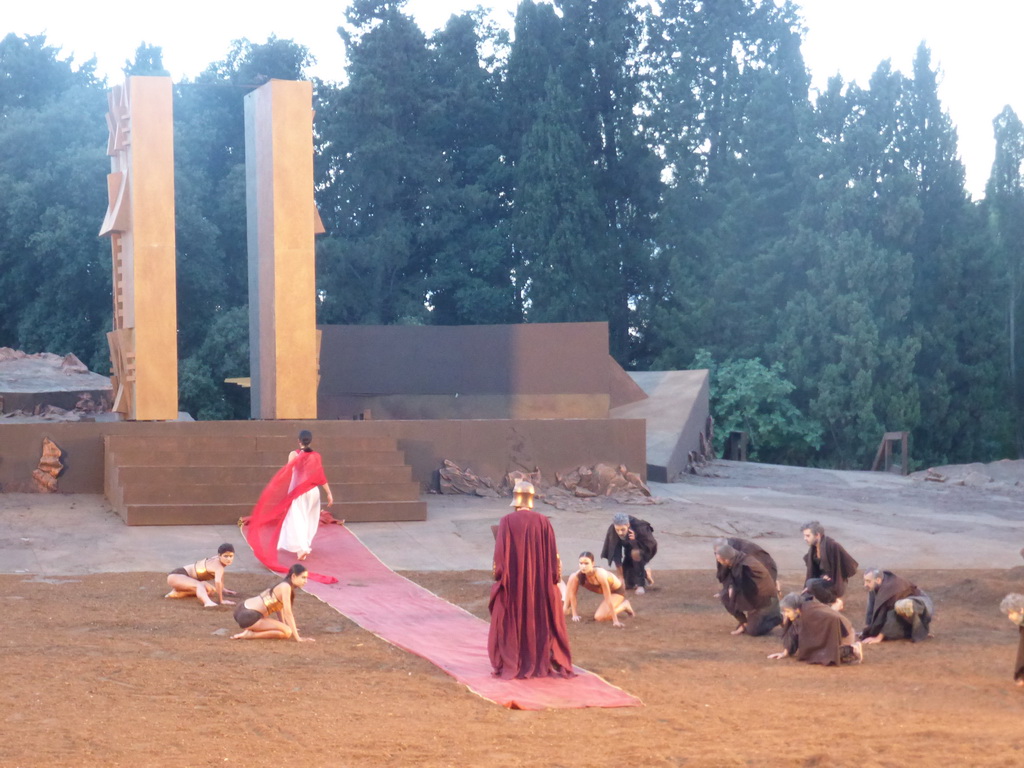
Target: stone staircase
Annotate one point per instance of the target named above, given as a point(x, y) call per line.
point(202, 479)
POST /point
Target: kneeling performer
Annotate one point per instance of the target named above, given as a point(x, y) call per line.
point(602, 582)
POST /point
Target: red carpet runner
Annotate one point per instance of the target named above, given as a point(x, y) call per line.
point(409, 616)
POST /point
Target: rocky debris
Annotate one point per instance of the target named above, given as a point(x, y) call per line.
point(49, 467)
point(599, 481)
point(453, 479)
point(48, 387)
point(1006, 473)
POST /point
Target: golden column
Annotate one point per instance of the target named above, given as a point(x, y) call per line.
point(140, 225)
point(281, 222)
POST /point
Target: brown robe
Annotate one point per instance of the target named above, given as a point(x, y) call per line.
point(754, 600)
point(818, 634)
point(527, 636)
point(883, 600)
point(835, 563)
point(1018, 667)
point(750, 548)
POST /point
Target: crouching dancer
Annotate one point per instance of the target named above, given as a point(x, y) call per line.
point(605, 583)
point(748, 591)
point(815, 633)
point(254, 615)
point(193, 580)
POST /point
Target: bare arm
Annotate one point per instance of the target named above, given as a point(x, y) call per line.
point(330, 497)
point(287, 616)
point(570, 595)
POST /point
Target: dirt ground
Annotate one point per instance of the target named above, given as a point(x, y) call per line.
point(99, 670)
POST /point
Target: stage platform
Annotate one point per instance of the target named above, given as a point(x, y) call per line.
point(188, 473)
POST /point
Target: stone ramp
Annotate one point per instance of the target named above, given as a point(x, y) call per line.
point(676, 410)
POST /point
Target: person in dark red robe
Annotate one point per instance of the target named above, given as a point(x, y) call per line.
point(897, 609)
point(816, 633)
point(826, 559)
point(262, 528)
point(527, 636)
point(1013, 607)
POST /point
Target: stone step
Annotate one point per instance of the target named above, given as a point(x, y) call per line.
point(245, 444)
point(229, 514)
point(248, 493)
point(204, 474)
point(174, 457)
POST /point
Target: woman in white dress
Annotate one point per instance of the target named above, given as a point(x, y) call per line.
point(303, 518)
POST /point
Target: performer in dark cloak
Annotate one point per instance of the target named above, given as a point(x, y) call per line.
point(748, 592)
point(748, 548)
point(816, 633)
point(1013, 607)
point(897, 609)
point(826, 559)
point(630, 545)
point(528, 636)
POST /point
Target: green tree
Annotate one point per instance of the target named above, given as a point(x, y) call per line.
point(379, 171)
point(1004, 210)
point(470, 278)
point(54, 269)
point(748, 396)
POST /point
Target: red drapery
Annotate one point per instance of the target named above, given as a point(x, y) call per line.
point(263, 527)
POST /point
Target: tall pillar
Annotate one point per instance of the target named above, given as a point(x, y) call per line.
point(140, 224)
point(281, 219)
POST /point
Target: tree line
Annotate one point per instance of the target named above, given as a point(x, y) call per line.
point(668, 172)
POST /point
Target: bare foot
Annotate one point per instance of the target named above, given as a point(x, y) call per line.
point(650, 577)
point(245, 633)
point(739, 630)
point(175, 594)
point(209, 605)
point(304, 555)
point(629, 609)
point(640, 590)
point(1019, 682)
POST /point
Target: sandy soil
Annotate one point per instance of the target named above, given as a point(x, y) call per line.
point(99, 670)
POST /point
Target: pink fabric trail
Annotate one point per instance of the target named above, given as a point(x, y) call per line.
point(415, 619)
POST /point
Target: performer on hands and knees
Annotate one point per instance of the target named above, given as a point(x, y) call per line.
point(816, 634)
point(254, 615)
point(194, 579)
point(749, 591)
point(749, 548)
point(1013, 607)
point(527, 636)
point(826, 559)
point(630, 545)
point(605, 583)
point(897, 609)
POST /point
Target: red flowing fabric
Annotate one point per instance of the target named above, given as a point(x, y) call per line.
point(263, 527)
point(407, 615)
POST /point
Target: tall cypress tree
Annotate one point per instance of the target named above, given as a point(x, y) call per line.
point(1004, 208)
point(379, 169)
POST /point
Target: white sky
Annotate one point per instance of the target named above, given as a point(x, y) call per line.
point(975, 45)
